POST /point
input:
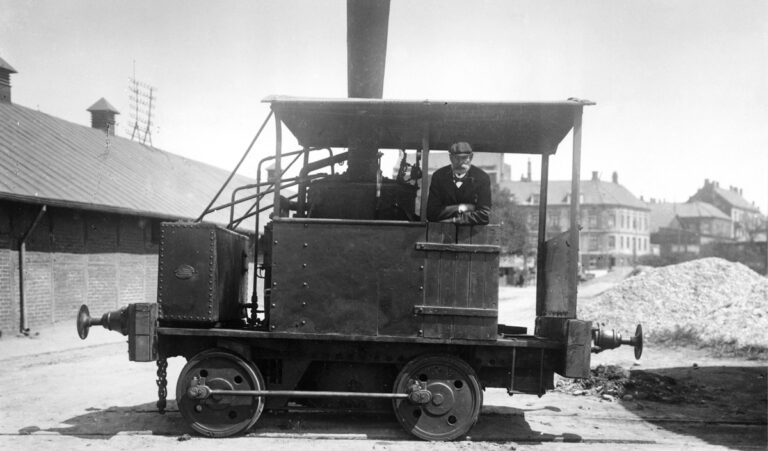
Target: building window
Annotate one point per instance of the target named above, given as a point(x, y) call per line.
point(592, 243)
point(622, 242)
point(592, 220)
point(611, 242)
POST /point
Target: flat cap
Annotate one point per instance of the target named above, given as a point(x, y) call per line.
point(461, 148)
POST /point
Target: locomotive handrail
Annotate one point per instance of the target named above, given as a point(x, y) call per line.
point(370, 222)
point(232, 174)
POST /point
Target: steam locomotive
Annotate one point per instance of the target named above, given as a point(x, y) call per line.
point(364, 303)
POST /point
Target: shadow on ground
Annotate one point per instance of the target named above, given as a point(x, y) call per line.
point(500, 424)
point(721, 405)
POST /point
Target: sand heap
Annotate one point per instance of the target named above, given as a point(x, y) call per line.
point(712, 299)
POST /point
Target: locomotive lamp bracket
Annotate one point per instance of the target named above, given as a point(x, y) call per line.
point(610, 339)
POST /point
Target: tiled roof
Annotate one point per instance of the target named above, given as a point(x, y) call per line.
point(594, 192)
point(734, 199)
point(44, 159)
point(663, 213)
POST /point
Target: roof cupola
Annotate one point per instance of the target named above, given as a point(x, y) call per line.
point(103, 116)
point(5, 81)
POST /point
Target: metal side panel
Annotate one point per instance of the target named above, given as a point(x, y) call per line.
point(348, 278)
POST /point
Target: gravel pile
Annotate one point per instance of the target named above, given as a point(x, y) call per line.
point(711, 300)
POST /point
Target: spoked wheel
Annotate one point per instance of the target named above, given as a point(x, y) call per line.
point(220, 415)
point(444, 397)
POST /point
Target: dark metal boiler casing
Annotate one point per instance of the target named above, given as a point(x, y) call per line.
point(202, 275)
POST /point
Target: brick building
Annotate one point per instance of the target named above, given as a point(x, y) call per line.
point(615, 224)
point(80, 212)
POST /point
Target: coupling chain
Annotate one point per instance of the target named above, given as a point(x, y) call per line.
point(162, 383)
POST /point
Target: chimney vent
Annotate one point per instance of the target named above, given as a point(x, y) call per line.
point(595, 178)
point(615, 177)
point(103, 116)
point(5, 81)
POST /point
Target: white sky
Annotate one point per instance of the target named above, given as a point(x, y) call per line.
point(681, 86)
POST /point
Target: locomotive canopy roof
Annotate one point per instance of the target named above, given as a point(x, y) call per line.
point(498, 127)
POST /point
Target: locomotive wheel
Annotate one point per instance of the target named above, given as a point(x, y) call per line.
point(454, 404)
point(220, 416)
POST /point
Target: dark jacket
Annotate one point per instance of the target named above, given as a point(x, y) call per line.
point(443, 194)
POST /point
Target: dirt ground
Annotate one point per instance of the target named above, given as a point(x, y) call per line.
point(63, 393)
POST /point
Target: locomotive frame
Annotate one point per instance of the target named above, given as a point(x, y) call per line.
point(364, 304)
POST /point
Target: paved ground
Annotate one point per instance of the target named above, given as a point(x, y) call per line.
point(64, 393)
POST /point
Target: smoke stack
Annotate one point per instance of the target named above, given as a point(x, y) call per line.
point(595, 178)
point(367, 26)
point(5, 81)
point(103, 116)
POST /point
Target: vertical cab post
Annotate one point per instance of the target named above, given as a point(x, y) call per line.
point(557, 277)
point(425, 172)
point(278, 163)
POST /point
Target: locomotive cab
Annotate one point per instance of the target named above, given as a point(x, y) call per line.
point(357, 299)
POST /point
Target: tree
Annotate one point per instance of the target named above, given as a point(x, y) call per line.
point(514, 231)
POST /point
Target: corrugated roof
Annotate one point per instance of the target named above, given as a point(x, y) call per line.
point(44, 159)
point(663, 213)
point(594, 192)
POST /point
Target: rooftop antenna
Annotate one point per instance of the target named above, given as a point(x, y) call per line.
point(142, 98)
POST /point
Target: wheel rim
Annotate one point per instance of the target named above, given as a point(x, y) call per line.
point(220, 416)
point(454, 405)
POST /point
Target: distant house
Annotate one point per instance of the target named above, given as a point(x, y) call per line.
point(745, 217)
point(682, 229)
point(80, 212)
point(615, 224)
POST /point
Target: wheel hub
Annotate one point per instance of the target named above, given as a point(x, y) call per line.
point(442, 398)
